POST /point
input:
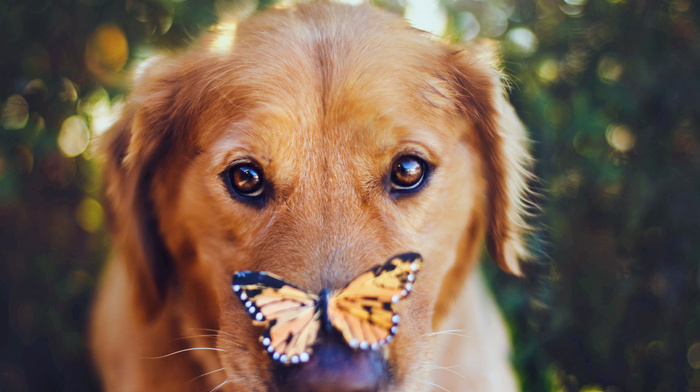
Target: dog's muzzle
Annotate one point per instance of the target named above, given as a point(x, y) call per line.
point(335, 367)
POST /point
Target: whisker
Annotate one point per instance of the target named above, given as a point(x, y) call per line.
point(445, 367)
point(452, 332)
point(217, 331)
point(217, 335)
point(206, 374)
point(238, 344)
point(216, 388)
point(185, 350)
point(209, 335)
point(206, 330)
point(449, 369)
point(435, 385)
point(228, 380)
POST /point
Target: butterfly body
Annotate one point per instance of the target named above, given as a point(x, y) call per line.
point(362, 311)
point(323, 308)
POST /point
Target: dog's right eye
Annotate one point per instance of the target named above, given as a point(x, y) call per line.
point(408, 174)
point(246, 179)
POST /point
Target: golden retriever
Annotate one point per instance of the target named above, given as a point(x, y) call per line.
point(312, 142)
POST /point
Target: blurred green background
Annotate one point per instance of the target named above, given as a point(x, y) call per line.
point(610, 90)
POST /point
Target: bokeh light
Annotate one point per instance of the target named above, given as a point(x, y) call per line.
point(495, 22)
point(90, 215)
point(609, 69)
point(571, 9)
point(469, 25)
point(620, 137)
point(15, 113)
point(106, 51)
point(74, 136)
point(521, 41)
point(68, 92)
point(427, 15)
point(548, 70)
point(100, 110)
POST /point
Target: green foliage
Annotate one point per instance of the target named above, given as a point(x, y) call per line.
point(611, 96)
point(609, 89)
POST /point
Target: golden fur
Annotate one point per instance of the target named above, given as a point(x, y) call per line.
point(324, 97)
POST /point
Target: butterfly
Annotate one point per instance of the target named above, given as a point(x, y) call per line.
point(363, 311)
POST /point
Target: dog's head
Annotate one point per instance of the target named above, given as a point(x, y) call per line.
point(318, 142)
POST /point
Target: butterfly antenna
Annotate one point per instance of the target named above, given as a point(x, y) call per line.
point(323, 307)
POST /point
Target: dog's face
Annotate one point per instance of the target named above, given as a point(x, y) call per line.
point(321, 142)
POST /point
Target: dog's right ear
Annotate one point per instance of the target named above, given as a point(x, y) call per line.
point(154, 126)
point(503, 142)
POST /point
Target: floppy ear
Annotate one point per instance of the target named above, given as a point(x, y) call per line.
point(152, 127)
point(503, 143)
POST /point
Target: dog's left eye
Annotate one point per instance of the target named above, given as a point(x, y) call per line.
point(408, 173)
point(246, 179)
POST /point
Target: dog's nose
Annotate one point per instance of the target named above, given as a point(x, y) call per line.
point(335, 367)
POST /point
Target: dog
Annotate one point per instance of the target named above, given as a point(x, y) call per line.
point(311, 142)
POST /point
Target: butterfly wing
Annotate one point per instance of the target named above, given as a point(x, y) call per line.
point(290, 314)
point(363, 311)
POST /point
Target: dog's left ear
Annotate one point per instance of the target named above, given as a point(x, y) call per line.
point(155, 127)
point(503, 143)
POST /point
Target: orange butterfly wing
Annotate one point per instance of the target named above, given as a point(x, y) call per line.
point(363, 311)
point(290, 314)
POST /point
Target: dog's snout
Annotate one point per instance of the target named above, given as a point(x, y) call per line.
point(335, 367)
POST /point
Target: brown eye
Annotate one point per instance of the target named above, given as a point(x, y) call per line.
point(246, 179)
point(407, 173)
